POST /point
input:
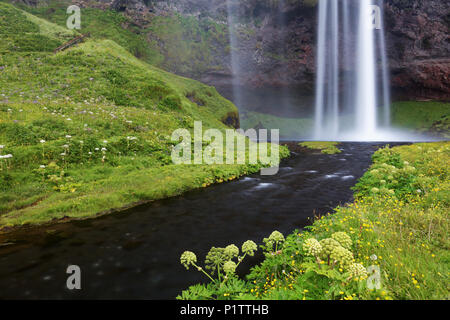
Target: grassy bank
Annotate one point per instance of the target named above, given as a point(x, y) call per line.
point(89, 129)
point(398, 223)
point(326, 147)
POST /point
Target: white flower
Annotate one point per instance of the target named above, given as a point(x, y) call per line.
point(42, 167)
point(68, 136)
point(63, 154)
point(89, 153)
point(104, 141)
point(66, 146)
point(7, 156)
point(42, 141)
point(104, 149)
point(1, 146)
point(96, 149)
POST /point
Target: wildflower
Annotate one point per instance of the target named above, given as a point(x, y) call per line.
point(104, 149)
point(188, 258)
point(357, 271)
point(42, 141)
point(42, 166)
point(231, 251)
point(1, 146)
point(249, 247)
point(343, 238)
point(312, 247)
point(229, 267)
point(342, 256)
point(328, 245)
point(68, 136)
point(276, 236)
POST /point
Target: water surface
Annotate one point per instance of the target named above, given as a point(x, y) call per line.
point(135, 254)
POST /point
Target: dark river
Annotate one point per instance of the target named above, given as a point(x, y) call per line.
point(135, 254)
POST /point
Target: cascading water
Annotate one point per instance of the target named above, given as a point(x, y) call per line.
point(350, 109)
point(232, 10)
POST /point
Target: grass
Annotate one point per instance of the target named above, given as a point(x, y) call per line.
point(89, 129)
point(327, 147)
point(427, 117)
point(398, 223)
point(181, 44)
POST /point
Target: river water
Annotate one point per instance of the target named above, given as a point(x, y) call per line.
point(135, 254)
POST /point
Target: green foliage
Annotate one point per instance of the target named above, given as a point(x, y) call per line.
point(389, 176)
point(326, 147)
point(89, 129)
point(404, 234)
point(219, 262)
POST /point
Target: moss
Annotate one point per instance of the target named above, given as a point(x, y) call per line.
point(327, 147)
point(426, 117)
point(105, 119)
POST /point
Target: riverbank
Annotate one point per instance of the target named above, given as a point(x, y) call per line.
point(88, 130)
point(397, 223)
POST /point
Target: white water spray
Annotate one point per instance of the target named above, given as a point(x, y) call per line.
point(359, 94)
point(232, 8)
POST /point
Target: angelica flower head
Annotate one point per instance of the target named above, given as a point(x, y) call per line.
point(231, 251)
point(328, 245)
point(343, 238)
point(342, 256)
point(188, 258)
point(357, 270)
point(312, 247)
point(249, 247)
point(229, 267)
point(276, 236)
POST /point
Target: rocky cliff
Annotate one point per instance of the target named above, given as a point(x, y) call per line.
point(276, 41)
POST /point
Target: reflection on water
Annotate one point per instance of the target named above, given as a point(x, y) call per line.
point(135, 254)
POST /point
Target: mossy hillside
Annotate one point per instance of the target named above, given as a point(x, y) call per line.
point(101, 24)
point(428, 117)
point(398, 223)
point(181, 44)
point(89, 129)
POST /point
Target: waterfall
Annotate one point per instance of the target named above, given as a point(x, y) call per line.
point(356, 51)
point(232, 11)
point(366, 116)
point(385, 75)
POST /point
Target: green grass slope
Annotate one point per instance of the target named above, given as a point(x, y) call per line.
point(89, 128)
point(182, 44)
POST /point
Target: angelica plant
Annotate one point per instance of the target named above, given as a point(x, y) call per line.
point(219, 261)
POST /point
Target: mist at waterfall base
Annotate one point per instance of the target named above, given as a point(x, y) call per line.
point(351, 101)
